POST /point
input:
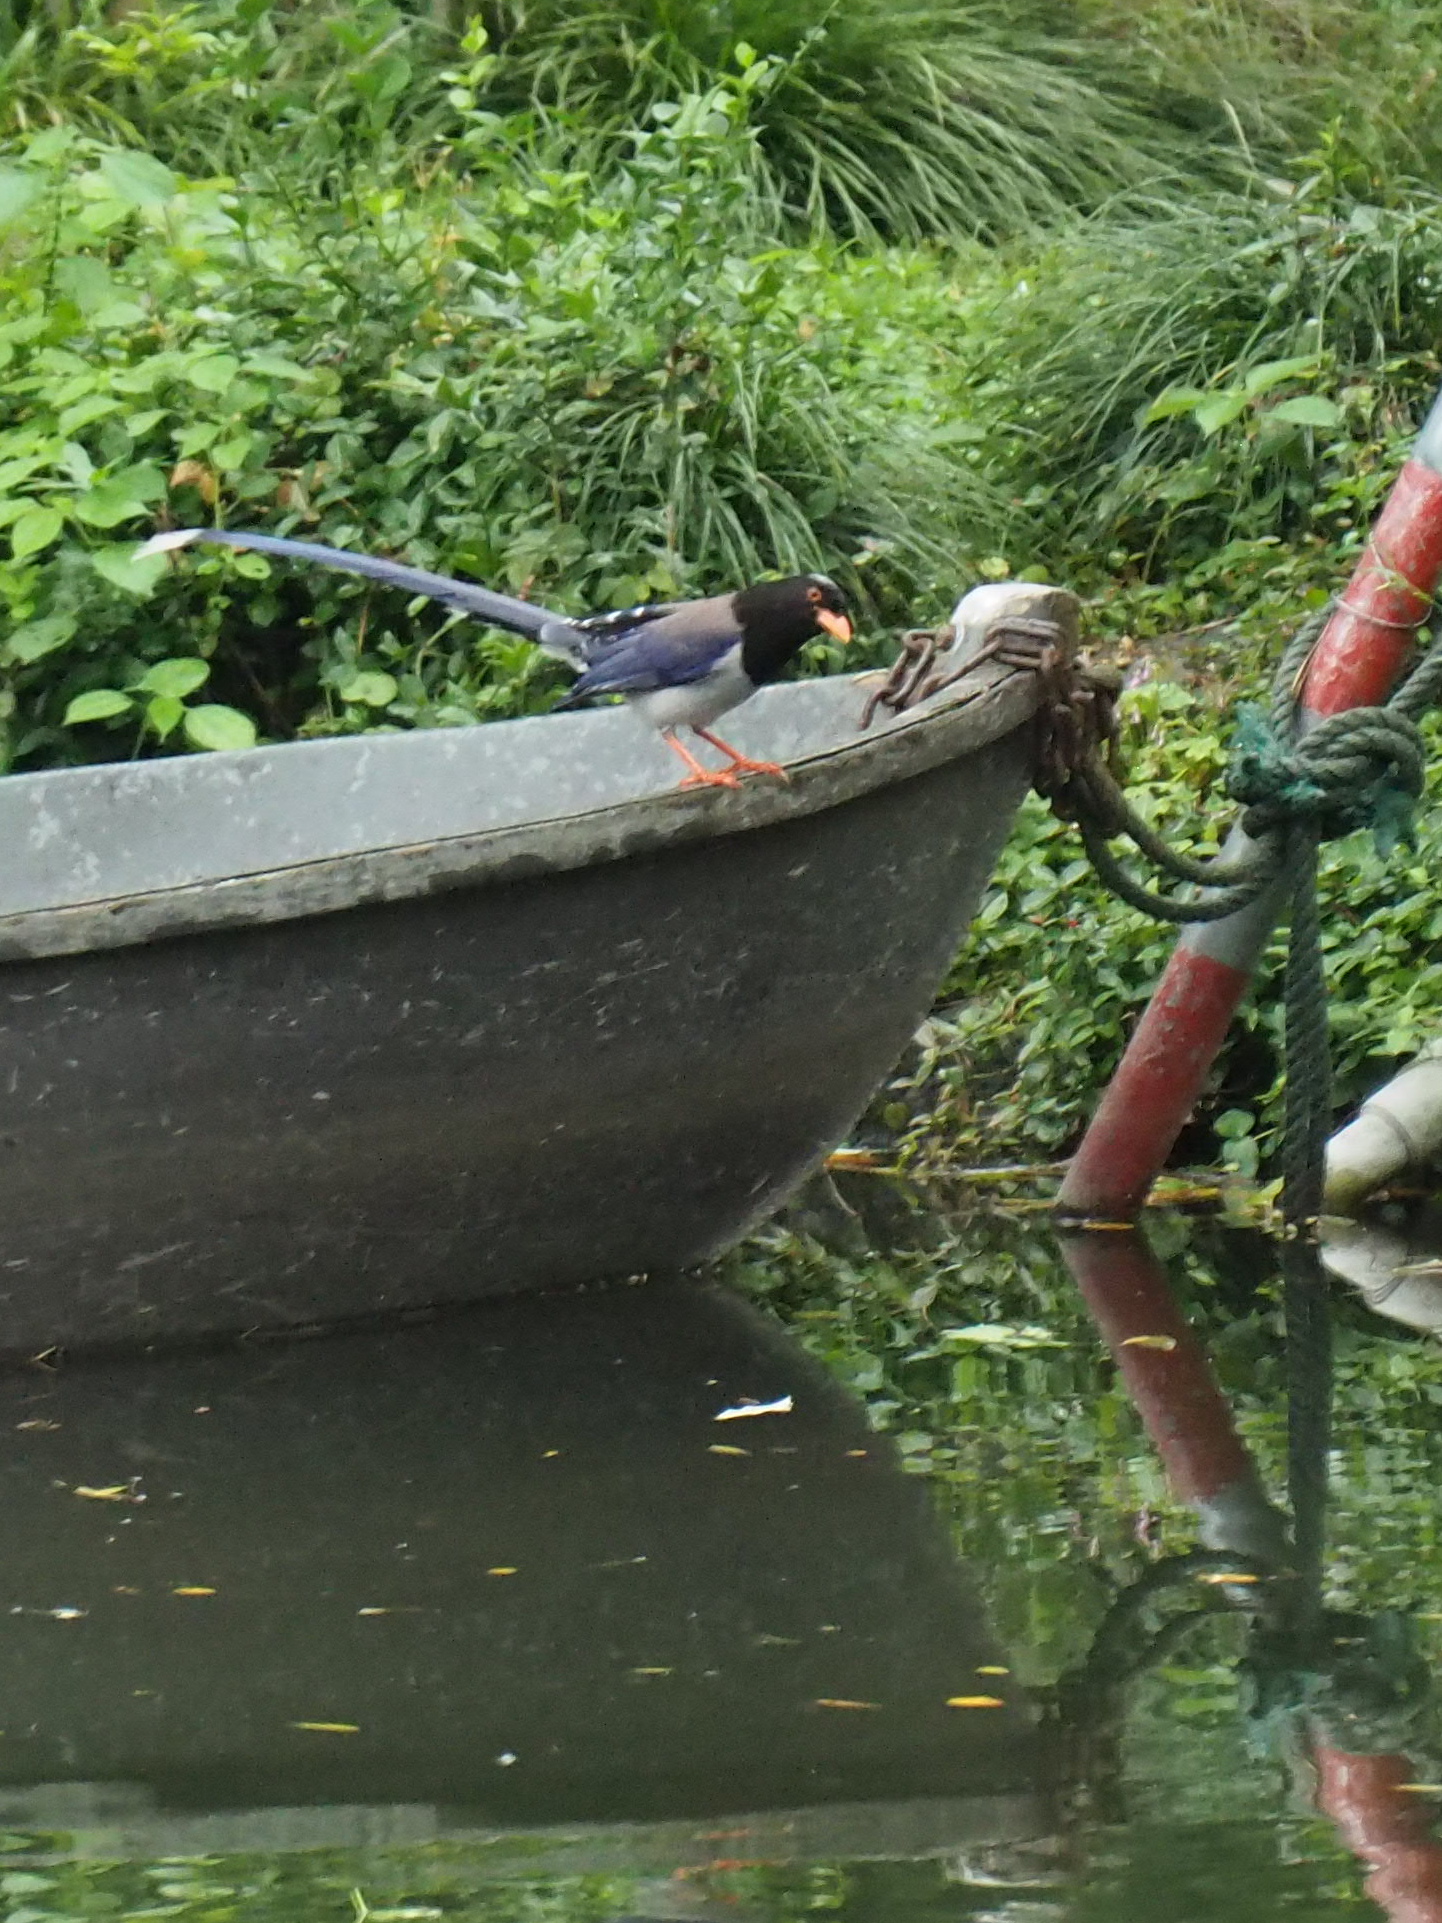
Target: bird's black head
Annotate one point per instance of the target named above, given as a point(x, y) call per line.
point(776, 618)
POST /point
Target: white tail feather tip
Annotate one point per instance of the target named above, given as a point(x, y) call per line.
point(167, 543)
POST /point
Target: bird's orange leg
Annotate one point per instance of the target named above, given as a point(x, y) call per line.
point(741, 761)
point(700, 777)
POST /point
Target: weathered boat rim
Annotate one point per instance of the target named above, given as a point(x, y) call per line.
point(985, 707)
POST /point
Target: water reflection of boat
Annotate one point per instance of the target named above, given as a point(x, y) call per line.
point(1392, 1257)
point(292, 1034)
point(507, 1575)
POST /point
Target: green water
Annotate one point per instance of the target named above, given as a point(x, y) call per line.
point(493, 1618)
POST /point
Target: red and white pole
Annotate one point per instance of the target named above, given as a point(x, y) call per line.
point(1358, 658)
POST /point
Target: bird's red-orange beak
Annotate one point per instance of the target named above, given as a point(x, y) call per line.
point(836, 625)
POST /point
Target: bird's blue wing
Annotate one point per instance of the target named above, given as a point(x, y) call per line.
point(499, 610)
point(666, 653)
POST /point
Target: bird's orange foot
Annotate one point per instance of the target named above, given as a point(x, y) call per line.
point(747, 766)
point(743, 762)
point(711, 778)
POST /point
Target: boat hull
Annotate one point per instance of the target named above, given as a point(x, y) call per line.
point(529, 1082)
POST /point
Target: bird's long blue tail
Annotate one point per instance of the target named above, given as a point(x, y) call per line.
point(549, 630)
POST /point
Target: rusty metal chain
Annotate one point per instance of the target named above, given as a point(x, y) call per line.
point(1075, 727)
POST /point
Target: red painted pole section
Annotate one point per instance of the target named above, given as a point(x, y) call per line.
point(1386, 1826)
point(1185, 1414)
point(1358, 657)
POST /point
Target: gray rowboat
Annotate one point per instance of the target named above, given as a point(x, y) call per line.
point(346, 1027)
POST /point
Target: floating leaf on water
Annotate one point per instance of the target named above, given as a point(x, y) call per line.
point(502, 1569)
point(650, 1669)
point(992, 1669)
point(1149, 1342)
point(331, 1729)
point(1225, 1576)
point(192, 1589)
point(782, 1406)
point(39, 1423)
point(113, 1492)
point(975, 1702)
point(725, 1449)
point(858, 1452)
point(1001, 1335)
point(842, 1702)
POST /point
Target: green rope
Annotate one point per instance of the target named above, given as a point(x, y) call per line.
point(1365, 767)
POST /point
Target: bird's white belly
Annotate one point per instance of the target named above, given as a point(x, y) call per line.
point(698, 703)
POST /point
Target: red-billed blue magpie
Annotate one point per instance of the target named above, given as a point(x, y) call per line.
point(680, 664)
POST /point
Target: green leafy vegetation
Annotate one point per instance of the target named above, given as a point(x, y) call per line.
point(599, 303)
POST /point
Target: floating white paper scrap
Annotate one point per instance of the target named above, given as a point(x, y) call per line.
point(780, 1407)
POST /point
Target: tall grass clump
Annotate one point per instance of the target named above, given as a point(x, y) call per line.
point(900, 118)
point(1240, 366)
point(1278, 73)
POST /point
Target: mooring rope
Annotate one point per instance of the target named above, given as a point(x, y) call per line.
point(1364, 767)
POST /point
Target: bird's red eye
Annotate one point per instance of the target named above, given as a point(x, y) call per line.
point(814, 594)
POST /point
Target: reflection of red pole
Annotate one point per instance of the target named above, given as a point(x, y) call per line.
point(1190, 1425)
point(1357, 659)
point(1386, 1827)
point(1184, 1411)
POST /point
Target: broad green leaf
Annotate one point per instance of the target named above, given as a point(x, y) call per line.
point(119, 313)
point(139, 179)
point(213, 373)
point(107, 504)
point(1307, 410)
point(93, 407)
point(86, 281)
point(20, 470)
point(138, 425)
point(121, 496)
point(219, 728)
point(1269, 374)
point(119, 566)
point(36, 638)
point(277, 366)
point(1172, 401)
point(230, 455)
point(99, 704)
point(375, 690)
point(181, 675)
point(164, 714)
point(36, 528)
point(18, 190)
point(1218, 410)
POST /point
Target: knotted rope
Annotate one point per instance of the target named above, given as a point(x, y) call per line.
point(1364, 767)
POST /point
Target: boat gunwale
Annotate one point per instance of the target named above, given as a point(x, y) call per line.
point(982, 709)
